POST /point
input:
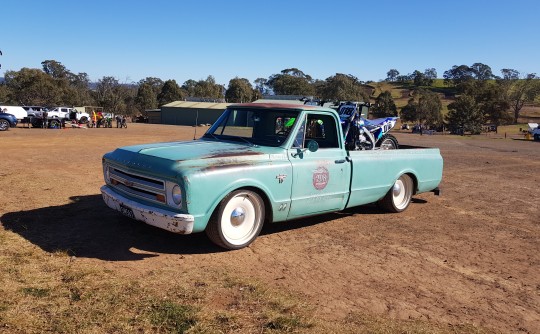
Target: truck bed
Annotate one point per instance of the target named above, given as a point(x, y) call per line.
point(374, 172)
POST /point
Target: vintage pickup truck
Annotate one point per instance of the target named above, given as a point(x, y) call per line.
point(261, 163)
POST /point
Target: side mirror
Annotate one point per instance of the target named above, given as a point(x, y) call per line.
point(313, 146)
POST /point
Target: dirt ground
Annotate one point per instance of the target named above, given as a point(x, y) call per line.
point(470, 256)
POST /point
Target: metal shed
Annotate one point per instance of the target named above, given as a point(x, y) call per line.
point(191, 113)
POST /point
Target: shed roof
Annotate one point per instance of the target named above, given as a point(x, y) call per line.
point(196, 105)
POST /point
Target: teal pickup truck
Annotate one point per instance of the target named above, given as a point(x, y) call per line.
point(261, 163)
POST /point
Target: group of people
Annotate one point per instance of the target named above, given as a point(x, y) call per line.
point(121, 121)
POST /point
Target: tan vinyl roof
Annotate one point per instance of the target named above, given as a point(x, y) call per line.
point(279, 101)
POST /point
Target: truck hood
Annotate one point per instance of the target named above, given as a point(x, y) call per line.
point(197, 149)
point(198, 155)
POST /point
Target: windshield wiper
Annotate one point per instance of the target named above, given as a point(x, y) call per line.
point(212, 135)
point(229, 138)
point(247, 141)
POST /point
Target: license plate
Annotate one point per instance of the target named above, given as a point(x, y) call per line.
point(127, 211)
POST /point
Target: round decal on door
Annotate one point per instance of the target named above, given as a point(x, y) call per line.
point(320, 178)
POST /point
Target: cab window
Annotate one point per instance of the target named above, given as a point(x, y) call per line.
point(321, 128)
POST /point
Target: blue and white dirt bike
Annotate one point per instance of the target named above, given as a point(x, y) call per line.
point(363, 134)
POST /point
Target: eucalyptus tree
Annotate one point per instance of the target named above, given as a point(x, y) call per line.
point(385, 105)
point(409, 112)
point(32, 86)
point(291, 81)
point(424, 108)
point(155, 83)
point(239, 90)
point(170, 92)
point(465, 115)
point(55, 69)
point(457, 75)
point(110, 94)
point(392, 75)
point(342, 87)
point(209, 89)
point(430, 74)
point(189, 87)
point(261, 84)
point(146, 98)
point(481, 71)
point(519, 90)
point(429, 108)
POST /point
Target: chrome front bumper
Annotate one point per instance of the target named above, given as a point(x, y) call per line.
point(164, 219)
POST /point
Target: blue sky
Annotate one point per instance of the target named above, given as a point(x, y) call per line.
point(191, 39)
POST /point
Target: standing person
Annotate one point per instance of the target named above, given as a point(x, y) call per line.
point(123, 124)
point(118, 121)
point(44, 115)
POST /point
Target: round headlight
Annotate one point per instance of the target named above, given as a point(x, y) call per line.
point(177, 195)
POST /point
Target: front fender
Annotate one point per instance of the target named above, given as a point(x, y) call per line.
point(204, 191)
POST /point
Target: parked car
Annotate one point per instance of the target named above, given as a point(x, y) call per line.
point(79, 114)
point(16, 111)
point(7, 121)
point(34, 111)
point(60, 112)
point(534, 130)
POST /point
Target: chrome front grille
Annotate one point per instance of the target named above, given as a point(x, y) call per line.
point(137, 184)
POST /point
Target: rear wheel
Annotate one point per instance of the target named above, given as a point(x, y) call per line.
point(399, 196)
point(83, 120)
point(55, 124)
point(36, 122)
point(537, 137)
point(237, 221)
point(388, 142)
point(4, 125)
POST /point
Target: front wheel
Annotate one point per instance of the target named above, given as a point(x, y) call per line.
point(4, 125)
point(399, 196)
point(388, 142)
point(237, 221)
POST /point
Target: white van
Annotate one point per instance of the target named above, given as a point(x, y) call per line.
point(18, 112)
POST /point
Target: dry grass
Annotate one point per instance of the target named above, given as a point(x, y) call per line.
point(53, 292)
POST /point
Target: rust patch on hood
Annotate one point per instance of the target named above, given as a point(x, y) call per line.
point(217, 167)
point(232, 154)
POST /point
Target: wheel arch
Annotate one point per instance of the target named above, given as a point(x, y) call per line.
point(415, 181)
point(412, 175)
point(268, 213)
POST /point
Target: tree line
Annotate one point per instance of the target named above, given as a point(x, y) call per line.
point(480, 96)
point(54, 85)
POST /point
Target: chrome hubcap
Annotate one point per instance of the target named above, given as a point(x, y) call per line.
point(237, 216)
point(397, 189)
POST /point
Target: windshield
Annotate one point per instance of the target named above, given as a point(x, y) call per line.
point(254, 126)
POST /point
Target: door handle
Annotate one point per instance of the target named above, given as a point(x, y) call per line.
point(340, 161)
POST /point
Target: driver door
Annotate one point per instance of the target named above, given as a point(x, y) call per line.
point(321, 179)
